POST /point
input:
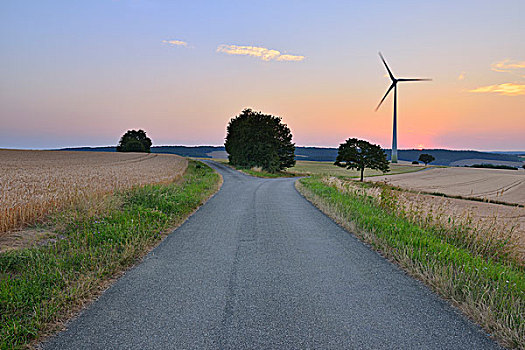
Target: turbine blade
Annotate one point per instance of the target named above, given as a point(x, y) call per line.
point(388, 69)
point(387, 91)
point(415, 79)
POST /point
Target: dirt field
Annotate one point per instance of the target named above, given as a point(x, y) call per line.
point(33, 183)
point(501, 185)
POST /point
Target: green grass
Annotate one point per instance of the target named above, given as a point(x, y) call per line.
point(265, 174)
point(41, 286)
point(484, 282)
point(257, 172)
point(303, 167)
point(306, 168)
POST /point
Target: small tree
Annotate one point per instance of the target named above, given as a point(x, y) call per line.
point(134, 141)
point(426, 158)
point(256, 139)
point(360, 154)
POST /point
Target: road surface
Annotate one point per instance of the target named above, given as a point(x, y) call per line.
point(258, 267)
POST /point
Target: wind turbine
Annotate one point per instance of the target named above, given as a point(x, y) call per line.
point(394, 86)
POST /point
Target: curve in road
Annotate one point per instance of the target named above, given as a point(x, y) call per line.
point(259, 267)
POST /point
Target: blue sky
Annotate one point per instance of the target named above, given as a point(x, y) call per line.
point(83, 72)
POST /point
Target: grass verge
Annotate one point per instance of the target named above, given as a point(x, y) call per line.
point(257, 172)
point(265, 174)
point(41, 287)
point(487, 286)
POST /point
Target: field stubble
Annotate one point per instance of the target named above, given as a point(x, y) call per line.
point(485, 184)
point(34, 184)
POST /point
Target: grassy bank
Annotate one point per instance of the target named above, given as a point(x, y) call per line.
point(480, 277)
point(42, 286)
point(257, 172)
point(303, 168)
point(265, 174)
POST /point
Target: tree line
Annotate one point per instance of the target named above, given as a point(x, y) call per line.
point(255, 139)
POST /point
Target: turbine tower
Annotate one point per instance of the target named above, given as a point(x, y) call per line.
point(394, 86)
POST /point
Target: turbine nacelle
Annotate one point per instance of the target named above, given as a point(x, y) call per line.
point(395, 80)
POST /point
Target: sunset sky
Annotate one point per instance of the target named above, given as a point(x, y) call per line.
point(80, 73)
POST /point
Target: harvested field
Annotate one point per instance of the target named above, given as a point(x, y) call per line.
point(494, 184)
point(35, 183)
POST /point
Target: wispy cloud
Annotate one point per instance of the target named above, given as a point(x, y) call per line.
point(508, 89)
point(259, 52)
point(290, 58)
point(461, 76)
point(175, 42)
point(507, 65)
point(510, 66)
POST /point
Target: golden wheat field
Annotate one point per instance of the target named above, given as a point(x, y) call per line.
point(35, 183)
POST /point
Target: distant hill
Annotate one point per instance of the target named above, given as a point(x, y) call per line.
point(519, 153)
point(315, 153)
point(185, 151)
point(443, 156)
point(449, 157)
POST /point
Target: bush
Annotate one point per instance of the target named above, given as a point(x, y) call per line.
point(492, 166)
point(415, 162)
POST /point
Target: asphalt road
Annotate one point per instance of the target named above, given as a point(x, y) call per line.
point(258, 267)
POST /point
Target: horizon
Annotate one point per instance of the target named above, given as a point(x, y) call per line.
point(84, 73)
point(305, 146)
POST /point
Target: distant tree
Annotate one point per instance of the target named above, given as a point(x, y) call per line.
point(426, 158)
point(134, 141)
point(415, 162)
point(360, 154)
point(256, 139)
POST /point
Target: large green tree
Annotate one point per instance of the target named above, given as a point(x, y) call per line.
point(134, 141)
point(254, 139)
point(361, 154)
